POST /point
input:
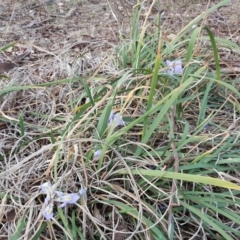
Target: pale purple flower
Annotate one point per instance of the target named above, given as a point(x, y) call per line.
point(174, 67)
point(69, 198)
point(48, 211)
point(46, 188)
point(48, 205)
point(97, 154)
point(115, 118)
point(111, 117)
point(178, 69)
point(63, 198)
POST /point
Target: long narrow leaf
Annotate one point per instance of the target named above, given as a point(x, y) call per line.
point(183, 177)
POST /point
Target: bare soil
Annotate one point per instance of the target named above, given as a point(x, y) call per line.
point(45, 29)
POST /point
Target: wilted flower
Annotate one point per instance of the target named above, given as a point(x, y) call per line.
point(115, 117)
point(174, 67)
point(82, 192)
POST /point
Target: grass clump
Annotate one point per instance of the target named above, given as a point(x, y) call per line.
point(169, 172)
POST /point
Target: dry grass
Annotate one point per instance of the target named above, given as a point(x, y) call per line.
point(50, 129)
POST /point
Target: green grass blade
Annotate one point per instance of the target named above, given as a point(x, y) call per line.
point(21, 224)
point(65, 222)
point(215, 52)
point(53, 140)
point(75, 228)
point(172, 98)
point(5, 48)
point(73, 225)
point(230, 215)
point(191, 45)
point(39, 231)
point(86, 88)
point(153, 85)
point(183, 177)
point(22, 126)
point(103, 121)
point(134, 213)
point(203, 109)
point(207, 220)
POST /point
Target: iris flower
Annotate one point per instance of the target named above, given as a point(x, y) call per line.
point(48, 203)
point(69, 198)
point(63, 198)
point(97, 154)
point(115, 117)
point(174, 67)
point(47, 188)
point(48, 211)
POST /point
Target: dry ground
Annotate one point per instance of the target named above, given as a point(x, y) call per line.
point(81, 29)
point(58, 39)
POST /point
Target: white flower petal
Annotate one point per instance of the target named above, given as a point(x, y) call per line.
point(46, 188)
point(69, 198)
point(60, 194)
point(48, 212)
point(46, 200)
